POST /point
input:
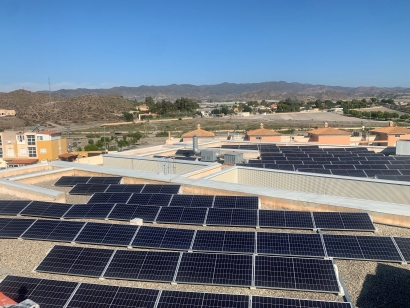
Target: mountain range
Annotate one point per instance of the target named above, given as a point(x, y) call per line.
point(274, 90)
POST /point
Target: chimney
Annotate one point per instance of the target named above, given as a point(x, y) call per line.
point(198, 126)
point(326, 125)
point(391, 124)
point(195, 144)
point(261, 125)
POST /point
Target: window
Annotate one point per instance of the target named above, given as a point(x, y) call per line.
point(43, 151)
point(397, 136)
point(32, 152)
point(39, 137)
point(1, 152)
point(31, 140)
point(20, 138)
point(1, 142)
point(23, 152)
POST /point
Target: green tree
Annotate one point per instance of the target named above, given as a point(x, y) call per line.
point(79, 149)
point(91, 147)
point(129, 117)
point(90, 141)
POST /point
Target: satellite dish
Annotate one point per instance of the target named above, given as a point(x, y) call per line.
point(74, 144)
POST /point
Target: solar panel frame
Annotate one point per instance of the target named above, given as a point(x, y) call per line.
point(46, 209)
point(110, 198)
point(65, 181)
point(45, 292)
point(105, 180)
point(53, 230)
point(404, 247)
point(13, 207)
point(14, 228)
point(143, 265)
point(77, 261)
point(296, 274)
point(126, 188)
point(215, 269)
point(112, 296)
point(88, 189)
point(279, 302)
point(128, 212)
point(89, 211)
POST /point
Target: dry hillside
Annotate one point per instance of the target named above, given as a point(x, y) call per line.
point(35, 108)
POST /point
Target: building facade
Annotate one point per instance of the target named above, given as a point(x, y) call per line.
point(263, 135)
point(41, 146)
point(329, 135)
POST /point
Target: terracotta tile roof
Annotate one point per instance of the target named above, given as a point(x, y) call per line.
point(199, 132)
point(329, 131)
point(67, 155)
point(22, 161)
point(395, 130)
point(4, 300)
point(262, 132)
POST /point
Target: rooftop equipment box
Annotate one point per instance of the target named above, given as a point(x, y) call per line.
point(232, 158)
point(209, 155)
point(403, 147)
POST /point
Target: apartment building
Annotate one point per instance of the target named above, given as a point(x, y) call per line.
point(7, 113)
point(30, 147)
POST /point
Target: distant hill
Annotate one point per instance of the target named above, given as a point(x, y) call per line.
point(35, 108)
point(246, 91)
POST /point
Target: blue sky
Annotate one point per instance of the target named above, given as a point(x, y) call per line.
point(100, 44)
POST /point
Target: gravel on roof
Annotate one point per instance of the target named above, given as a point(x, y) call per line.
point(369, 284)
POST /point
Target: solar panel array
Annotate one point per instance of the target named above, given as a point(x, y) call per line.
point(162, 199)
point(375, 248)
point(89, 189)
point(194, 268)
point(74, 180)
point(218, 216)
point(349, 161)
point(57, 293)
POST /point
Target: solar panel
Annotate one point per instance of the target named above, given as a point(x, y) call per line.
point(46, 293)
point(180, 299)
point(292, 244)
point(94, 295)
point(285, 219)
point(13, 228)
point(404, 246)
point(90, 211)
point(240, 202)
point(295, 273)
point(72, 180)
point(376, 248)
point(12, 207)
point(88, 189)
point(215, 269)
point(357, 221)
point(143, 265)
point(163, 238)
point(328, 220)
point(149, 199)
point(53, 230)
point(224, 241)
point(129, 212)
point(107, 234)
point(232, 217)
point(182, 215)
point(127, 188)
point(105, 180)
point(163, 189)
point(79, 261)
point(46, 209)
point(110, 198)
point(279, 302)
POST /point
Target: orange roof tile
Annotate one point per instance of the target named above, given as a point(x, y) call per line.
point(4, 300)
point(67, 155)
point(262, 132)
point(22, 161)
point(395, 130)
point(329, 131)
point(199, 132)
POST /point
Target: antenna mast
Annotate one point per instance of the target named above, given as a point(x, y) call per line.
point(49, 90)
